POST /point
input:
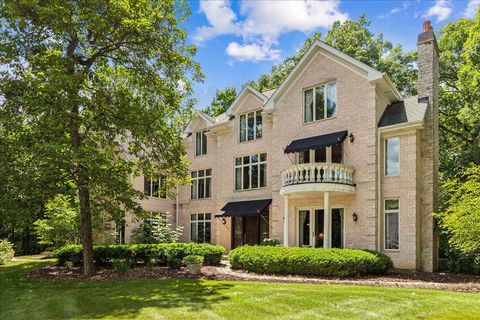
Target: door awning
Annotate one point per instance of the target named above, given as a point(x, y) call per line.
point(325, 140)
point(244, 208)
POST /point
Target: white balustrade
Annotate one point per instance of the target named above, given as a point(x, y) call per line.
point(317, 173)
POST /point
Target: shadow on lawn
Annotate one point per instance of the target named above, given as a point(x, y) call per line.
point(128, 298)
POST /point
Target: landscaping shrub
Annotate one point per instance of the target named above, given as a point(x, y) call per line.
point(166, 254)
point(309, 261)
point(6, 251)
point(120, 265)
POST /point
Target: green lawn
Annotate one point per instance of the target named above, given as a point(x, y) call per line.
point(185, 299)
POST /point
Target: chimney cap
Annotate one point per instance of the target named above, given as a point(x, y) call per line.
point(427, 25)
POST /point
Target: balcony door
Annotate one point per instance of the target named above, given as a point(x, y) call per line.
point(311, 227)
point(333, 154)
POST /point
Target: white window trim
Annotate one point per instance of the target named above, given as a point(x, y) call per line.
point(245, 129)
point(324, 102)
point(385, 157)
point(328, 155)
point(235, 166)
point(202, 133)
point(385, 211)
point(313, 222)
point(196, 222)
point(160, 185)
point(197, 178)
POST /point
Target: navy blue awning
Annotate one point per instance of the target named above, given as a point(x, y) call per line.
point(324, 140)
point(244, 208)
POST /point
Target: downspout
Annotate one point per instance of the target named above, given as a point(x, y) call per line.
point(379, 195)
point(176, 208)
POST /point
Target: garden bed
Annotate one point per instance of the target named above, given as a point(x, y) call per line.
point(394, 278)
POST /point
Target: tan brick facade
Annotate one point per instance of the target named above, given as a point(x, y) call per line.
point(362, 98)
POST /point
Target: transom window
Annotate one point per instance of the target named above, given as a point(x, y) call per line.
point(201, 184)
point(332, 154)
point(155, 186)
point(251, 172)
point(201, 143)
point(320, 102)
point(250, 126)
point(201, 227)
point(392, 156)
point(391, 224)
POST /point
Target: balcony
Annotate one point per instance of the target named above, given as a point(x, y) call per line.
point(318, 176)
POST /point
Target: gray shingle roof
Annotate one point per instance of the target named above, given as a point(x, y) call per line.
point(409, 110)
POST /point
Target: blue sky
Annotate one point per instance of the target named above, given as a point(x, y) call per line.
point(239, 40)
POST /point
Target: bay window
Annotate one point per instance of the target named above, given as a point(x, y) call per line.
point(251, 172)
point(320, 102)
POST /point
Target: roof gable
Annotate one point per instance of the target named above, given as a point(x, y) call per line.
point(245, 90)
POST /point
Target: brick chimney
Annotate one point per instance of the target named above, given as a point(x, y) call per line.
point(428, 73)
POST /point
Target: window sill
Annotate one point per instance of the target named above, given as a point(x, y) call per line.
point(200, 199)
point(318, 121)
point(391, 175)
point(201, 155)
point(392, 250)
point(244, 190)
point(249, 141)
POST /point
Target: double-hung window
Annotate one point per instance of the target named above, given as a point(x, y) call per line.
point(320, 102)
point(201, 227)
point(155, 186)
point(391, 224)
point(201, 143)
point(392, 156)
point(201, 184)
point(250, 126)
point(251, 172)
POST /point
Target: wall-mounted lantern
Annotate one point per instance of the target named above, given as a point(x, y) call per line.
point(224, 221)
point(354, 217)
point(352, 137)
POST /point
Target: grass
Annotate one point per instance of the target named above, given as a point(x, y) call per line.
point(21, 298)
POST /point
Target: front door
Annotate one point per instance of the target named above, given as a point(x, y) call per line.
point(249, 230)
point(309, 225)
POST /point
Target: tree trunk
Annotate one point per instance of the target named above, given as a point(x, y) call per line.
point(82, 182)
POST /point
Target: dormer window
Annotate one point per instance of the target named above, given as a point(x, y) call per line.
point(250, 126)
point(201, 143)
point(320, 102)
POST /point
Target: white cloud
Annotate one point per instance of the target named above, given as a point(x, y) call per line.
point(442, 10)
point(404, 7)
point(472, 8)
point(260, 23)
point(252, 52)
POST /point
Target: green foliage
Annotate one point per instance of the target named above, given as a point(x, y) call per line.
point(192, 259)
point(157, 230)
point(222, 101)
point(308, 261)
point(6, 251)
point(163, 254)
point(121, 265)
point(355, 39)
point(460, 220)
point(61, 224)
point(459, 96)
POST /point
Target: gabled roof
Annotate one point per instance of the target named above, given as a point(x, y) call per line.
point(368, 72)
point(407, 111)
point(245, 89)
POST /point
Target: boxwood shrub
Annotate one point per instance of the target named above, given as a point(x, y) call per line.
point(167, 254)
point(309, 261)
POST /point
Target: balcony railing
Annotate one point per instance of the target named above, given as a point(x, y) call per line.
point(319, 172)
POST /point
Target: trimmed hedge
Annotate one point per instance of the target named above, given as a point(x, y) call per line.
point(309, 261)
point(169, 254)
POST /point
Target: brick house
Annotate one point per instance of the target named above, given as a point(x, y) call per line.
point(333, 157)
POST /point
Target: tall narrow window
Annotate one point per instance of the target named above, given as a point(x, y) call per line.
point(201, 184)
point(201, 227)
point(201, 143)
point(392, 156)
point(320, 102)
point(251, 172)
point(155, 186)
point(250, 126)
point(391, 224)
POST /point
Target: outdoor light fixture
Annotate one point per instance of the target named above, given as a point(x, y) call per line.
point(354, 217)
point(224, 221)
point(352, 137)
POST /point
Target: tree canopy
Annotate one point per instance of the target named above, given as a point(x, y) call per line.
point(222, 101)
point(97, 91)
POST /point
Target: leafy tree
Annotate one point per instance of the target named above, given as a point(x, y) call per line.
point(222, 101)
point(61, 224)
point(355, 39)
point(104, 88)
point(157, 230)
point(459, 95)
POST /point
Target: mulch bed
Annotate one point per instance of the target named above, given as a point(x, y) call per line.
point(395, 278)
